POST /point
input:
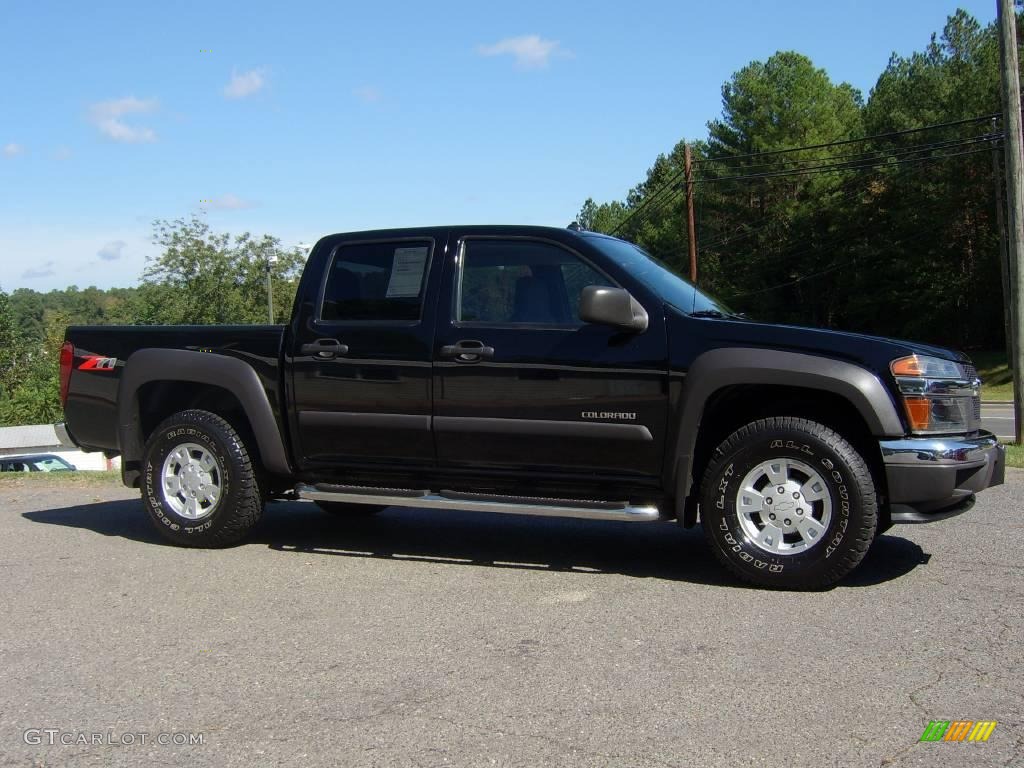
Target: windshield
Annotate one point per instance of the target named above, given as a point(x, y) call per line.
point(657, 276)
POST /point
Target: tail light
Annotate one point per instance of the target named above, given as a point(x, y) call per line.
point(67, 357)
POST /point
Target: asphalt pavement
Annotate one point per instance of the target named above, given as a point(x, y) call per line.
point(997, 418)
point(426, 638)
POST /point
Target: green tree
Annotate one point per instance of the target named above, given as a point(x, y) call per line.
point(782, 102)
point(890, 234)
point(8, 346)
point(29, 383)
point(205, 277)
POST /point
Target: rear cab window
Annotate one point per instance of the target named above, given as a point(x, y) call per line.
point(377, 282)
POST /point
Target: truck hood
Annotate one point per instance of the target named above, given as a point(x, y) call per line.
point(689, 340)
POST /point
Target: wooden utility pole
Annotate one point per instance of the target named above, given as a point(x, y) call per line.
point(270, 292)
point(691, 225)
point(1014, 149)
point(1004, 262)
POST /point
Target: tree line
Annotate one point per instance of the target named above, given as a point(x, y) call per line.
point(882, 225)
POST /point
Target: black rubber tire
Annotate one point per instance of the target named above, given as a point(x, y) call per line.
point(241, 503)
point(340, 509)
point(854, 503)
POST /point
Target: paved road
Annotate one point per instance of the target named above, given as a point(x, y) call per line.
point(998, 419)
point(432, 638)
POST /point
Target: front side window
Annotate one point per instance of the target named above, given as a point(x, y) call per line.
point(376, 281)
point(522, 282)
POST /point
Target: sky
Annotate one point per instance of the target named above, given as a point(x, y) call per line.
point(300, 119)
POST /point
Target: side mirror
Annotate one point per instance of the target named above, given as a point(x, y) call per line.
point(612, 306)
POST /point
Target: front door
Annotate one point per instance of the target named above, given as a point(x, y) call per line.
point(362, 361)
point(522, 384)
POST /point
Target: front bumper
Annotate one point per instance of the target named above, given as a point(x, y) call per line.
point(931, 477)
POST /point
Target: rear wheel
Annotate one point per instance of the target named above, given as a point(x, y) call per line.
point(788, 502)
point(199, 485)
point(340, 509)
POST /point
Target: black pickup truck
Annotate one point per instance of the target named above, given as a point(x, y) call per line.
point(537, 371)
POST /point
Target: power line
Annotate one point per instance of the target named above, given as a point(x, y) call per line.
point(847, 166)
point(765, 219)
point(649, 199)
point(854, 157)
point(844, 142)
point(646, 201)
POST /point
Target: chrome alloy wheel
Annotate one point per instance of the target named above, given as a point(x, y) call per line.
point(784, 506)
point(191, 481)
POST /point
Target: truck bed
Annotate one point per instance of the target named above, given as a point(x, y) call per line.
point(100, 353)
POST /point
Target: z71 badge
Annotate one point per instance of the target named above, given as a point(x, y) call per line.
point(95, 363)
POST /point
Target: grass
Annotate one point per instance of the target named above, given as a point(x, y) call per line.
point(996, 378)
point(81, 477)
point(1015, 455)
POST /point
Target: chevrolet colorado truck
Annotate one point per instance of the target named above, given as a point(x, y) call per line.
point(535, 371)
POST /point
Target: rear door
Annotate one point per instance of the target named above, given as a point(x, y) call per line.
point(522, 384)
point(362, 361)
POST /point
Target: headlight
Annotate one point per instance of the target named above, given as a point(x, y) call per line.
point(939, 396)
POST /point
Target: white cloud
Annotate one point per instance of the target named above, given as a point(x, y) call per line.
point(368, 94)
point(227, 202)
point(46, 270)
point(62, 153)
point(529, 51)
point(245, 84)
point(106, 116)
point(112, 250)
point(12, 149)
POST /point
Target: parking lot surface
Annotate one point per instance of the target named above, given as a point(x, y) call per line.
point(998, 419)
point(426, 638)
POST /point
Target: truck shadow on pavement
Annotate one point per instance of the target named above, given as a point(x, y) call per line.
point(652, 550)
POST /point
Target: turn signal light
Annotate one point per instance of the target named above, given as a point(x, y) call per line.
point(919, 411)
point(908, 366)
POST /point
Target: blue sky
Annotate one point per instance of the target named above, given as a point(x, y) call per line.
point(303, 118)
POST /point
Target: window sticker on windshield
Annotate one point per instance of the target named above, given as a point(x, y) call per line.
point(407, 271)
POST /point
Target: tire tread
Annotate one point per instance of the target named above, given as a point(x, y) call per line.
point(247, 510)
point(862, 539)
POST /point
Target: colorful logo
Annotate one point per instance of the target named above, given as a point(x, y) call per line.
point(958, 730)
point(96, 363)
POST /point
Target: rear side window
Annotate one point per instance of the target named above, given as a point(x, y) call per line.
point(376, 281)
point(522, 282)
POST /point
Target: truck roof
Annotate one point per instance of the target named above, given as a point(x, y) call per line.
point(520, 230)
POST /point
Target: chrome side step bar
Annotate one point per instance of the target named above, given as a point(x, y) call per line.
point(476, 502)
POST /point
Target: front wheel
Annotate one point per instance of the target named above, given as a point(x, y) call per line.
point(199, 484)
point(788, 502)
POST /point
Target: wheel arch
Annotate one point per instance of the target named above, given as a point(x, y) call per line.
point(227, 386)
point(727, 388)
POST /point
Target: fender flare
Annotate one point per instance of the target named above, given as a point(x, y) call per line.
point(230, 373)
point(720, 368)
